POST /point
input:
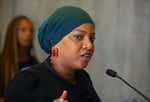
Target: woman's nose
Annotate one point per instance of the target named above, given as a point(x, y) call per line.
point(88, 44)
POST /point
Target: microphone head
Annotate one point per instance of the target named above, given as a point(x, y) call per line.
point(111, 73)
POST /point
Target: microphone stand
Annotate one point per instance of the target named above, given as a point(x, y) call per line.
point(133, 88)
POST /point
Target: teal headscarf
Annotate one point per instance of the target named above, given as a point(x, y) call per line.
point(59, 24)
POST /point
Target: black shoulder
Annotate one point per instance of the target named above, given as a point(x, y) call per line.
point(25, 87)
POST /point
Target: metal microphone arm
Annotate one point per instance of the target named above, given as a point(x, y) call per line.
point(134, 88)
point(112, 73)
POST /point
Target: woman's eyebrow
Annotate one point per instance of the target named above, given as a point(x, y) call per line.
point(82, 31)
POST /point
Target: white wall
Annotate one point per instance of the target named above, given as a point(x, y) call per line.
point(122, 40)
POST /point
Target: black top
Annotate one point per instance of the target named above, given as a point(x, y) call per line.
point(31, 61)
point(40, 83)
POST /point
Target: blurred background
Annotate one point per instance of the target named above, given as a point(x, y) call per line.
point(122, 41)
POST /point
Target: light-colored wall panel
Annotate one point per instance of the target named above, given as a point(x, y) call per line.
point(122, 41)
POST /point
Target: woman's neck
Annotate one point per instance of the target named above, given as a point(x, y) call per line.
point(70, 77)
point(23, 54)
point(67, 73)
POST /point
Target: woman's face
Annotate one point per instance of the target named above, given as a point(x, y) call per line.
point(76, 48)
point(25, 33)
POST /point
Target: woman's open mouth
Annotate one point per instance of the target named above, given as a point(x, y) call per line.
point(86, 56)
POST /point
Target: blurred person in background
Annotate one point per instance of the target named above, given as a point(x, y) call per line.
point(18, 51)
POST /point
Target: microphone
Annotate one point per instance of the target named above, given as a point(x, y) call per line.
point(112, 73)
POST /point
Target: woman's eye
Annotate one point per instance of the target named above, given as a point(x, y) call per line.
point(78, 37)
point(23, 29)
point(92, 39)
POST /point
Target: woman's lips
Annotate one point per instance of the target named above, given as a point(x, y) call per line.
point(86, 56)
